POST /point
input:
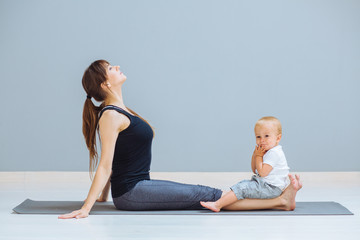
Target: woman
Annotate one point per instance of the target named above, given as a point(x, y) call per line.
point(126, 155)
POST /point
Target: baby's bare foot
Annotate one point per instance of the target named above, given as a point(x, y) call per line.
point(210, 205)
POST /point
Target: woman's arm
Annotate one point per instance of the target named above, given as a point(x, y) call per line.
point(110, 124)
point(100, 180)
point(105, 193)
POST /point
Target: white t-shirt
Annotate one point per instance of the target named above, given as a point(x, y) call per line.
point(278, 176)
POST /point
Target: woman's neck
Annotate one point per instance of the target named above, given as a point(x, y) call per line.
point(115, 99)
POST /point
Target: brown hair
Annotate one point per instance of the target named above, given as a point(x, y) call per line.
point(93, 76)
point(273, 120)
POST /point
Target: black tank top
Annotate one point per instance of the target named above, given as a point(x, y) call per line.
point(132, 156)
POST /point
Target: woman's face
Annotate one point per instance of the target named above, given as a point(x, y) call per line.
point(114, 75)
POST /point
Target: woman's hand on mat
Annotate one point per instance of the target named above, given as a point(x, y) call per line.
point(100, 199)
point(81, 213)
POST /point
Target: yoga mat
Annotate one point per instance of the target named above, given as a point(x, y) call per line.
point(107, 208)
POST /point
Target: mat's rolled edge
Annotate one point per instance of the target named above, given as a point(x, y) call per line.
point(16, 209)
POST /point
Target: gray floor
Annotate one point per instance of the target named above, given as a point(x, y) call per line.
point(14, 188)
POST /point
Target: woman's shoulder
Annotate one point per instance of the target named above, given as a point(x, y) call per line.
point(110, 112)
point(111, 117)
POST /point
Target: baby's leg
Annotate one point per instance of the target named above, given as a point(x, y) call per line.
point(286, 201)
point(227, 199)
point(237, 192)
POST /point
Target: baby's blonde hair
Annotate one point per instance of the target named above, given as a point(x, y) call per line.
point(270, 119)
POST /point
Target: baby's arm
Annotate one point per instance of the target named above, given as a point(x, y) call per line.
point(253, 164)
point(262, 169)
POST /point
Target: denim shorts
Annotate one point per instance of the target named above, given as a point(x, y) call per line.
point(255, 188)
point(165, 195)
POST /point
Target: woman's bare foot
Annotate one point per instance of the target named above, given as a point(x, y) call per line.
point(210, 205)
point(299, 181)
point(288, 196)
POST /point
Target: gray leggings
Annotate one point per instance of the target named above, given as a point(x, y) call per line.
point(165, 195)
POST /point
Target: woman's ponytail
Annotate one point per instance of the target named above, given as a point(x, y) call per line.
point(94, 75)
point(90, 125)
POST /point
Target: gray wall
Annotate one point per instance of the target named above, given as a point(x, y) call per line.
point(202, 73)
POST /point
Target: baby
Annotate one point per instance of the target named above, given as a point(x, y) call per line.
point(268, 163)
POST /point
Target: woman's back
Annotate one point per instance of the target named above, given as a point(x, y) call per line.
point(132, 156)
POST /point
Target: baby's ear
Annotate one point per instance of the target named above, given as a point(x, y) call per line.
point(279, 137)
